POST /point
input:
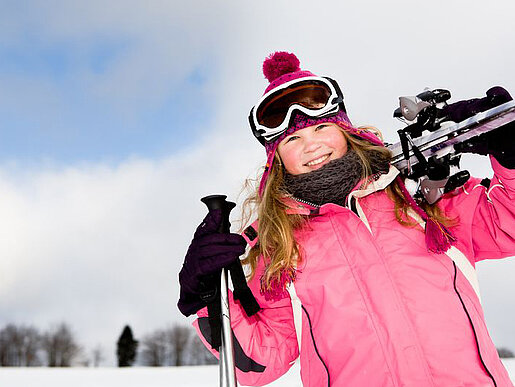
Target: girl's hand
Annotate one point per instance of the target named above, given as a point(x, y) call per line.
point(209, 252)
point(499, 143)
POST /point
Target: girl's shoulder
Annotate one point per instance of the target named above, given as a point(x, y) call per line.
point(464, 198)
point(473, 186)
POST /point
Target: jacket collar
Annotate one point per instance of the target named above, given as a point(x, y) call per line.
point(381, 183)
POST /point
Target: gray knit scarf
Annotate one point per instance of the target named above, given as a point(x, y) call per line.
point(335, 180)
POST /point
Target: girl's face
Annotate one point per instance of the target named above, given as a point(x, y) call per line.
point(311, 148)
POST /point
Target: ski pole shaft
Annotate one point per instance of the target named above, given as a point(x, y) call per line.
point(227, 344)
point(226, 363)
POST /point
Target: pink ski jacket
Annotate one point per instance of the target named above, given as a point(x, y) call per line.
point(373, 307)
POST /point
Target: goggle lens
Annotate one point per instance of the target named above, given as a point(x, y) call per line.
point(310, 94)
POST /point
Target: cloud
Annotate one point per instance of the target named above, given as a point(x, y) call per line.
point(100, 246)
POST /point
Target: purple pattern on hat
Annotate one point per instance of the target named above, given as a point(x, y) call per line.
point(301, 121)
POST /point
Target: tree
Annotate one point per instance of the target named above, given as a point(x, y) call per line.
point(126, 348)
point(198, 353)
point(31, 343)
point(10, 346)
point(178, 339)
point(505, 353)
point(60, 346)
point(176, 345)
point(19, 346)
point(155, 351)
point(97, 355)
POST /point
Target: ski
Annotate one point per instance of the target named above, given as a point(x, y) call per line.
point(440, 142)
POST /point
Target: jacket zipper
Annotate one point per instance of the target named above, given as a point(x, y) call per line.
point(472, 325)
point(306, 202)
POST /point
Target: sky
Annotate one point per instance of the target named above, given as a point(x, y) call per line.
point(117, 117)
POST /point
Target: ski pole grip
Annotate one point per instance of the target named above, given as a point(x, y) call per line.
point(219, 202)
point(214, 300)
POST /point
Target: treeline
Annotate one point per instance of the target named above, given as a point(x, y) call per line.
point(27, 346)
point(505, 353)
point(176, 345)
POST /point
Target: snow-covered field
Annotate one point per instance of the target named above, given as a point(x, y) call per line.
point(204, 376)
point(200, 376)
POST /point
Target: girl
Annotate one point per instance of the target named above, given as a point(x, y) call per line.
point(367, 285)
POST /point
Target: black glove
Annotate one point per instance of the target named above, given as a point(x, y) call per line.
point(499, 143)
point(458, 111)
point(209, 252)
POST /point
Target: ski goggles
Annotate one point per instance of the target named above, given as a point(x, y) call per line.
point(314, 96)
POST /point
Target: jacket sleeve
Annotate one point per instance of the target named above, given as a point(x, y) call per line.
point(486, 215)
point(265, 344)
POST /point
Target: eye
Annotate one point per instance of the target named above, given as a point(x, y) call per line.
point(291, 138)
point(321, 126)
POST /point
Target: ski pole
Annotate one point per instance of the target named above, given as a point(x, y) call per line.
point(226, 362)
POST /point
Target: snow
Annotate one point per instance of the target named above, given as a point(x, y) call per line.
point(201, 376)
point(198, 376)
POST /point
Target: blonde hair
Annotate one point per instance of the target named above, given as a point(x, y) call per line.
point(276, 242)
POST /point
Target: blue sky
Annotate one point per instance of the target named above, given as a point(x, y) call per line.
point(71, 95)
point(50, 109)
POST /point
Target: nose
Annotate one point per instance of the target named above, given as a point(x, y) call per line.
point(311, 144)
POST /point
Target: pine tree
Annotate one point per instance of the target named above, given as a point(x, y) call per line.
point(126, 348)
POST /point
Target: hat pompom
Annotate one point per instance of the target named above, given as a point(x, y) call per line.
point(280, 63)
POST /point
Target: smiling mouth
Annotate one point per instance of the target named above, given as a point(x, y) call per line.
point(317, 161)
